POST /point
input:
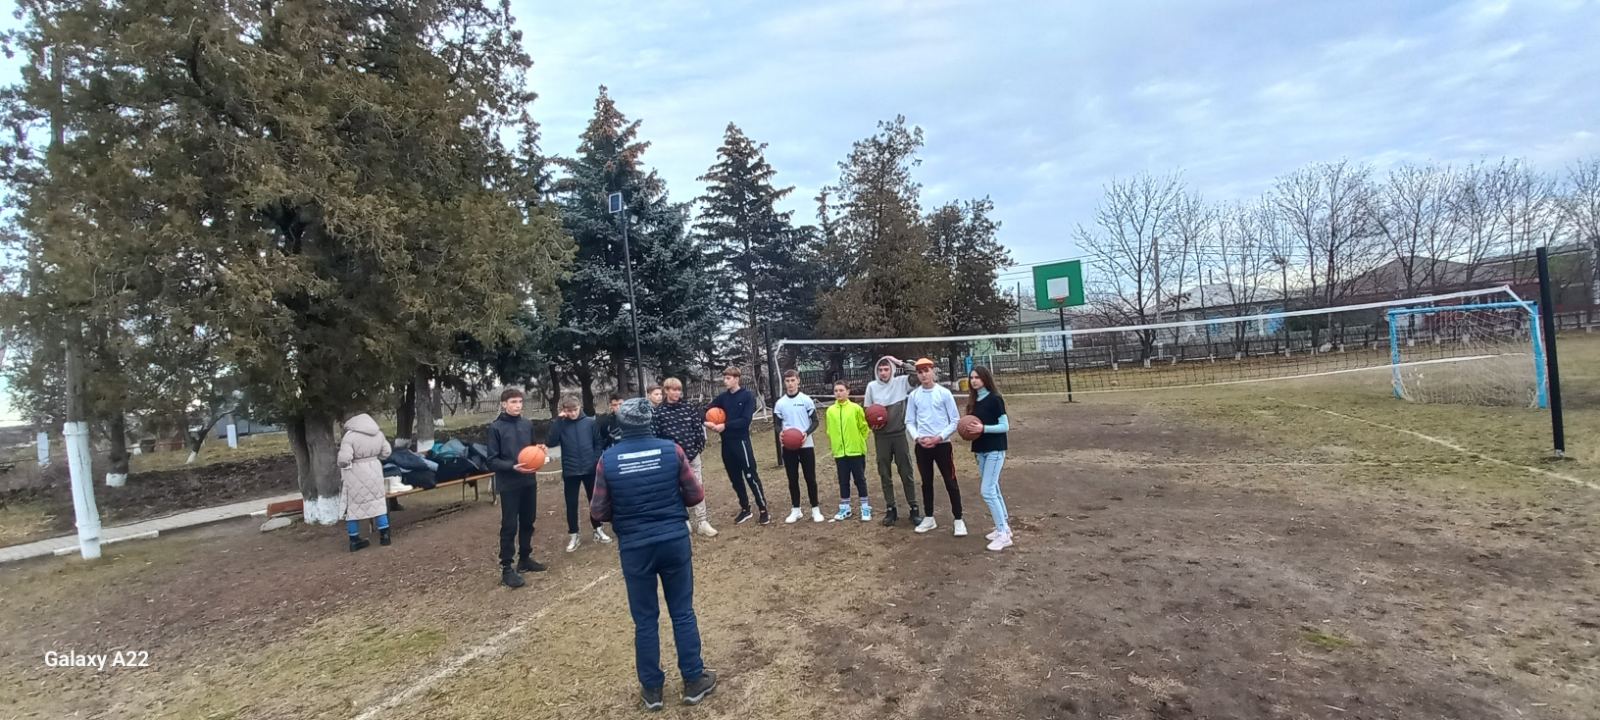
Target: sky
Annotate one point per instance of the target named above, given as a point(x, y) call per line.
point(1038, 104)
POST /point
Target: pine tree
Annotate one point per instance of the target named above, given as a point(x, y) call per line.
point(677, 302)
point(765, 280)
point(964, 245)
point(320, 188)
point(885, 285)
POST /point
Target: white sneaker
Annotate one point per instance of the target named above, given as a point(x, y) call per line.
point(794, 516)
point(992, 534)
point(1001, 542)
point(600, 536)
point(816, 514)
point(572, 542)
point(961, 528)
point(843, 514)
point(706, 530)
point(927, 524)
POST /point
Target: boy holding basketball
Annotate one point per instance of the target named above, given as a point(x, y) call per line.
point(738, 406)
point(508, 435)
point(798, 414)
point(890, 391)
point(847, 433)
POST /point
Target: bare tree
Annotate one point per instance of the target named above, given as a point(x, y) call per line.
point(1330, 207)
point(1581, 206)
point(1531, 214)
point(1193, 225)
point(1247, 240)
point(1475, 212)
point(1125, 247)
point(1413, 213)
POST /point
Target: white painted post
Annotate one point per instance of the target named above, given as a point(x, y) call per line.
point(233, 435)
point(41, 442)
point(88, 515)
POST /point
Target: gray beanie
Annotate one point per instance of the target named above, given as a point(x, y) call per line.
point(635, 414)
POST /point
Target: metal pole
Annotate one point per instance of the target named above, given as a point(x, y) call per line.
point(1066, 356)
point(1552, 367)
point(633, 305)
point(774, 391)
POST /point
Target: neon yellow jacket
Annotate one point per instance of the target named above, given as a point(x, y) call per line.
point(847, 429)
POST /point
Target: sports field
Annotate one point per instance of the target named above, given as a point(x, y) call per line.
point(1292, 549)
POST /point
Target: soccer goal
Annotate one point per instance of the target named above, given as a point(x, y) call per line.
point(1472, 354)
point(1470, 346)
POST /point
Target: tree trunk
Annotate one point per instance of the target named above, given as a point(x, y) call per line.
point(422, 395)
point(316, 450)
point(405, 415)
point(586, 383)
point(555, 390)
point(117, 474)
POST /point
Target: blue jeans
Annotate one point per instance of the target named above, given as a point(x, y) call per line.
point(641, 566)
point(989, 464)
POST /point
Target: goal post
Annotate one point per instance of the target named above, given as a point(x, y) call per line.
point(1244, 343)
point(1484, 353)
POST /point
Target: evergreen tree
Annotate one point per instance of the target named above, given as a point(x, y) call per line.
point(756, 249)
point(319, 188)
point(677, 302)
point(885, 283)
point(963, 242)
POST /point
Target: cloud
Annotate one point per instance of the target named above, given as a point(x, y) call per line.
point(1039, 105)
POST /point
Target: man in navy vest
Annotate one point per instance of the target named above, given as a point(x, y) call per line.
point(642, 485)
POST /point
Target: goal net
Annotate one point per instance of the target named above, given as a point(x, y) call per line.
point(1215, 346)
point(1470, 354)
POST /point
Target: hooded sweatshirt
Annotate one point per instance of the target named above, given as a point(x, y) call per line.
point(892, 396)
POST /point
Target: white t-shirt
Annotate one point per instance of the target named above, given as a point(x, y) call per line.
point(931, 413)
point(797, 412)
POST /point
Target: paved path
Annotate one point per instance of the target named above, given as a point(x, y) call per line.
point(146, 529)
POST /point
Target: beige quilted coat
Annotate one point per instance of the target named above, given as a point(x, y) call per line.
point(361, 456)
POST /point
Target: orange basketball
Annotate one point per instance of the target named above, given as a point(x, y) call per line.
point(877, 417)
point(970, 427)
point(793, 439)
point(716, 416)
point(532, 457)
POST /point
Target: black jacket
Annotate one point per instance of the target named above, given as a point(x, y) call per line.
point(507, 437)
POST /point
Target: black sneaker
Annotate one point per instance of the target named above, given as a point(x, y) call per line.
point(743, 516)
point(765, 518)
point(510, 578)
point(696, 691)
point(383, 537)
point(890, 516)
point(916, 516)
point(528, 564)
point(652, 699)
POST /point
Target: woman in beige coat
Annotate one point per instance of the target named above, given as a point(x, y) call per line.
point(361, 456)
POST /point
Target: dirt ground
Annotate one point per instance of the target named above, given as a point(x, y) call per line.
point(1223, 553)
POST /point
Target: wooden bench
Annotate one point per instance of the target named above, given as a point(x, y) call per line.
point(297, 505)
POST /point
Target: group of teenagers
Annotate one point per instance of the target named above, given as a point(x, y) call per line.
point(641, 468)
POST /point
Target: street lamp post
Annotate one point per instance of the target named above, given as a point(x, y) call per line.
point(618, 207)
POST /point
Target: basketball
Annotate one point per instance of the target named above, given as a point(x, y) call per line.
point(970, 427)
point(716, 416)
point(793, 439)
point(532, 457)
point(877, 417)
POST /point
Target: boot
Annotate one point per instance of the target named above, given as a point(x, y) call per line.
point(528, 564)
point(394, 504)
point(510, 578)
point(916, 515)
point(890, 516)
point(357, 542)
point(383, 537)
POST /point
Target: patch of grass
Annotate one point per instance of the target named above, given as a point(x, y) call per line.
point(20, 521)
point(1323, 639)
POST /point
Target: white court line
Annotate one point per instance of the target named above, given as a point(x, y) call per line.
point(493, 645)
point(1446, 443)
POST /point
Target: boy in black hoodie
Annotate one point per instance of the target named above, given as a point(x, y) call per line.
point(738, 455)
point(508, 435)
